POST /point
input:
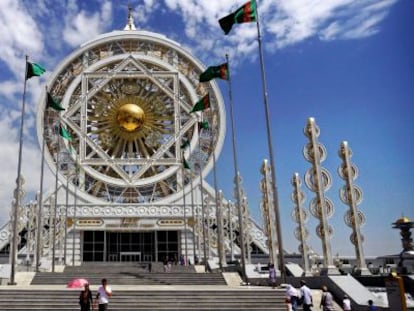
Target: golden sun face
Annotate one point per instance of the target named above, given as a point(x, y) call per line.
point(131, 125)
point(131, 117)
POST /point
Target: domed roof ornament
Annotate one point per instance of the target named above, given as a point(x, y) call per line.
point(130, 25)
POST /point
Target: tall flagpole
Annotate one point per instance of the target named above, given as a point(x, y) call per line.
point(56, 201)
point(194, 220)
point(184, 215)
point(74, 209)
point(40, 203)
point(236, 171)
point(203, 211)
point(65, 249)
point(271, 156)
point(218, 218)
point(19, 186)
point(183, 186)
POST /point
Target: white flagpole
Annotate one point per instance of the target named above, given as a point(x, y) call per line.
point(236, 172)
point(40, 203)
point(56, 199)
point(218, 220)
point(203, 211)
point(271, 156)
point(19, 181)
point(74, 208)
point(184, 212)
point(194, 220)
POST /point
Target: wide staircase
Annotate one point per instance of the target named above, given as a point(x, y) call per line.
point(135, 288)
point(149, 300)
point(126, 273)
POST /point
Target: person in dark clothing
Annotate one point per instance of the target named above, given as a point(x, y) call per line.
point(85, 298)
point(371, 306)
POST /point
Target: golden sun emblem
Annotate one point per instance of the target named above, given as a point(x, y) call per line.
point(131, 117)
point(131, 124)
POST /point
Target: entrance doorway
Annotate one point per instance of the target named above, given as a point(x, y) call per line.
point(129, 246)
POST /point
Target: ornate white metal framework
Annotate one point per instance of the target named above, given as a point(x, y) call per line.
point(268, 213)
point(300, 216)
point(319, 180)
point(351, 195)
point(127, 97)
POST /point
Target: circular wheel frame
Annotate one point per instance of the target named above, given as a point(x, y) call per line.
point(127, 97)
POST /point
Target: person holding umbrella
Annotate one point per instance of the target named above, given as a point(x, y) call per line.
point(85, 298)
point(104, 292)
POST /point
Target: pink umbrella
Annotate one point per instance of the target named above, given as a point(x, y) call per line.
point(77, 283)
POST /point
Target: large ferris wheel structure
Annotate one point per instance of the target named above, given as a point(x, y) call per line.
point(117, 153)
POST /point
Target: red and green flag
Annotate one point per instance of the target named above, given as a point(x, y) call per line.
point(53, 103)
point(245, 14)
point(34, 70)
point(64, 133)
point(202, 104)
point(203, 125)
point(220, 71)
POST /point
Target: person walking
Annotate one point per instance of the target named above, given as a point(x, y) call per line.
point(371, 306)
point(292, 298)
point(272, 275)
point(104, 292)
point(85, 298)
point(326, 300)
point(346, 303)
point(305, 296)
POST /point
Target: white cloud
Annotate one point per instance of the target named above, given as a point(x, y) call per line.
point(9, 144)
point(81, 26)
point(283, 23)
point(9, 89)
point(142, 12)
point(363, 24)
point(19, 36)
point(292, 21)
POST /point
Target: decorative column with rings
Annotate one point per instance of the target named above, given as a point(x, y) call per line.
point(319, 180)
point(351, 195)
point(268, 215)
point(300, 216)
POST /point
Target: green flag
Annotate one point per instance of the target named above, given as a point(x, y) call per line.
point(53, 103)
point(185, 144)
point(220, 71)
point(33, 70)
point(245, 14)
point(203, 125)
point(202, 104)
point(64, 133)
point(186, 165)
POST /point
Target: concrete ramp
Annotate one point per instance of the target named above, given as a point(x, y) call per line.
point(346, 284)
point(295, 269)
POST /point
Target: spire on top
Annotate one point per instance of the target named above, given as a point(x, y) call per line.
point(130, 24)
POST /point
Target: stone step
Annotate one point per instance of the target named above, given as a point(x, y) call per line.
point(133, 300)
point(132, 278)
point(127, 266)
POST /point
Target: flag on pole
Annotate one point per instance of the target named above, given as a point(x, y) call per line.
point(244, 14)
point(203, 125)
point(64, 133)
point(53, 103)
point(186, 165)
point(202, 104)
point(34, 70)
point(220, 71)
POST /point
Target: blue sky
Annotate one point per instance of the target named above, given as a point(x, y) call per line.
point(346, 63)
